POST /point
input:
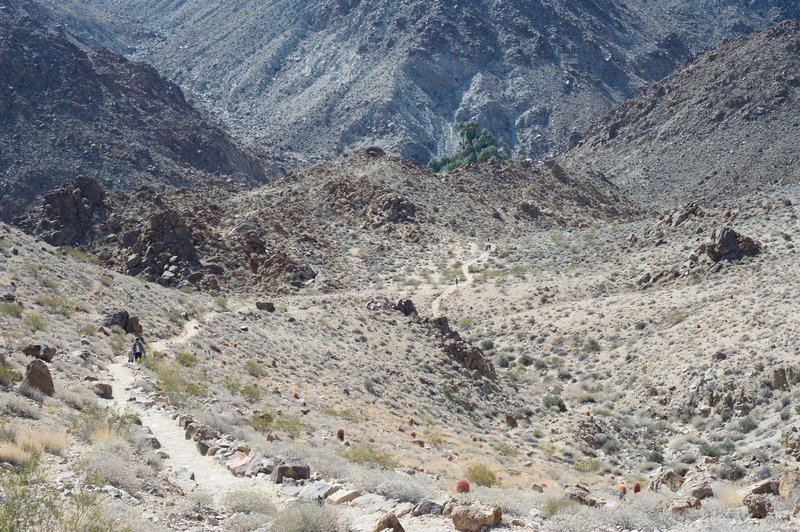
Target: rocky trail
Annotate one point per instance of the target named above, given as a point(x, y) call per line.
point(189, 471)
point(451, 288)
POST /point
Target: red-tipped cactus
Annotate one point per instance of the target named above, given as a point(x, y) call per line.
point(637, 487)
point(340, 434)
point(462, 485)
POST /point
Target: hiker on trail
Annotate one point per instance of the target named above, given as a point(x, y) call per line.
point(138, 348)
point(456, 280)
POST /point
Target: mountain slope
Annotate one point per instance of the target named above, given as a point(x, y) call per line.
point(725, 124)
point(66, 111)
point(316, 77)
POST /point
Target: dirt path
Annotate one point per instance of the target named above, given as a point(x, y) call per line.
point(466, 280)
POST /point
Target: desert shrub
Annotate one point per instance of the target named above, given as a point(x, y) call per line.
point(8, 308)
point(251, 392)
point(186, 358)
point(94, 419)
point(243, 501)
point(77, 399)
point(487, 345)
point(589, 465)
point(16, 406)
point(476, 145)
point(747, 424)
point(245, 522)
point(369, 455)
point(33, 321)
point(555, 505)
point(110, 464)
point(34, 394)
point(176, 384)
point(591, 346)
point(466, 321)
point(730, 470)
point(31, 503)
point(56, 303)
point(254, 368)
point(709, 449)
point(9, 376)
point(80, 255)
point(306, 517)
point(14, 454)
point(41, 440)
point(392, 485)
point(551, 401)
point(269, 422)
point(345, 413)
point(481, 474)
point(506, 449)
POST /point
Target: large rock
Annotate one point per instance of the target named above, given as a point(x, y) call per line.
point(758, 506)
point(390, 523)
point(317, 491)
point(37, 375)
point(265, 306)
point(406, 306)
point(429, 507)
point(697, 485)
point(581, 494)
point(789, 485)
point(102, 390)
point(666, 477)
point(343, 496)
point(473, 516)
point(122, 318)
point(41, 352)
point(682, 505)
point(291, 469)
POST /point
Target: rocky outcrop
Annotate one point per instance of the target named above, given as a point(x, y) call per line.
point(37, 375)
point(67, 213)
point(42, 352)
point(727, 244)
point(472, 358)
point(697, 485)
point(582, 495)
point(472, 516)
point(121, 318)
point(666, 477)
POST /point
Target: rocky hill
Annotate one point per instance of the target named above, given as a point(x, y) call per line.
point(722, 125)
point(314, 78)
point(67, 111)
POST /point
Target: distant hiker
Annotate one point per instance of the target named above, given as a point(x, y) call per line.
point(138, 349)
point(456, 280)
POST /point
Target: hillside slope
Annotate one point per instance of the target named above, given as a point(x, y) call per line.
point(66, 111)
point(725, 124)
point(316, 77)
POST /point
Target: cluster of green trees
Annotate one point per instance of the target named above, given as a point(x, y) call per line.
point(476, 145)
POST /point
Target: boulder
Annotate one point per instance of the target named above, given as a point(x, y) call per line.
point(406, 306)
point(41, 352)
point(666, 477)
point(37, 375)
point(789, 485)
point(758, 506)
point(390, 523)
point(727, 244)
point(265, 306)
point(472, 358)
point(203, 447)
point(317, 491)
point(238, 462)
point(581, 494)
point(103, 390)
point(429, 507)
point(697, 485)
point(343, 496)
point(121, 318)
point(473, 516)
point(291, 469)
point(679, 506)
point(768, 486)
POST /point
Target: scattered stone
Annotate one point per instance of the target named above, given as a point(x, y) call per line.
point(121, 494)
point(37, 375)
point(343, 496)
point(317, 491)
point(391, 523)
point(8, 292)
point(123, 320)
point(429, 507)
point(238, 462)
point(102, 390)
point(758, 506)
point(581, 494)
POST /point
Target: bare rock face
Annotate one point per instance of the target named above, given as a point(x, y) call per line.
point(406, 306)
point(473, 516)
point(758, 506)
point(37, 375)
point(68, 212)
point(666, 477)
point(697, 485)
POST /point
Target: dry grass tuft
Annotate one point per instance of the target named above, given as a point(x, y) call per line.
point(13, 454)
point(43, 439)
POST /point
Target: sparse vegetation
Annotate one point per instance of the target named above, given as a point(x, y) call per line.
point(369, 455)
point(481, 474)
point(476, 145)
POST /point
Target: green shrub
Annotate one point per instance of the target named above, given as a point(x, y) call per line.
point(369, 455)
point(555, 505)
point(8, 308)
point(481, 474)
point(33, 321)
point(56, 303)
point(506, 449)
point(589, 465)
point(186, 358)
point(551, 401)
point(251, 392)
point(269, 422)
point(254, 368)
point(306, 517)
point(591, 346)
point(9, 376)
